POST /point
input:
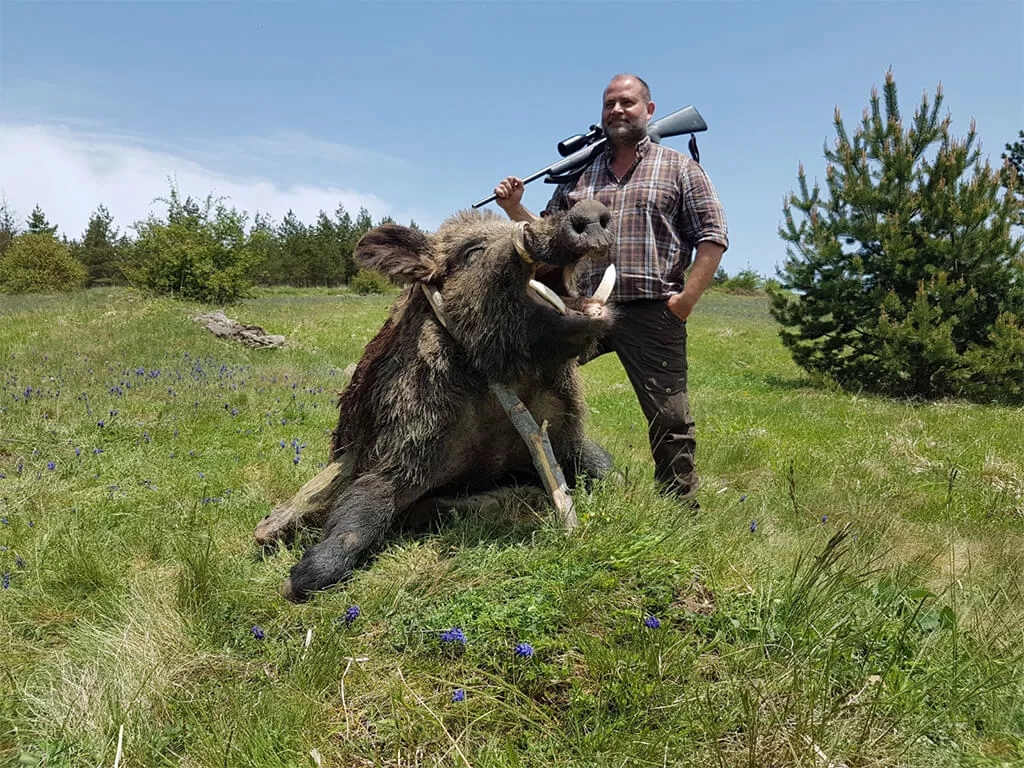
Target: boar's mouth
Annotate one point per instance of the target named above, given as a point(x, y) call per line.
point(543, 294)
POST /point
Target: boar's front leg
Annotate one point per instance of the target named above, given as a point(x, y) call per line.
point(591, 462)
point(309, 506)
point(357, 521)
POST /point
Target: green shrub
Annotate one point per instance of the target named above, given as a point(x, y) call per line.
point(201, 253)
point(744, 281)
point(39, 263)
point(368, 281)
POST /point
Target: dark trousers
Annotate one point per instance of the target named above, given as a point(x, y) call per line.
point(650, 342)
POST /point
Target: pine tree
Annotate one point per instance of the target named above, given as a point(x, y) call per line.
point(1013, 170)
point(347, 239)
point(905, 279)
point(326, 253)
point(264, 243)
point(8, 225)
point(101, 249)
point(1015, 155)
point(38, 225)
point(296, 253)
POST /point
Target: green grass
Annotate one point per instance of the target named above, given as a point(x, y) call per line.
point(874, 616)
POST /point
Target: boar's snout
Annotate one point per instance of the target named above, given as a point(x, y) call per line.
point(586, 228)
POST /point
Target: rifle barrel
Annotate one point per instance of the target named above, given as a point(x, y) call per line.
point(560, 166)
point(526, 181)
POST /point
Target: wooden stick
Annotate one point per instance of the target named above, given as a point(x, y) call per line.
point(536, 439)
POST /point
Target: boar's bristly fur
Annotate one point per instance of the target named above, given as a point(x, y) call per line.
point(417, 417)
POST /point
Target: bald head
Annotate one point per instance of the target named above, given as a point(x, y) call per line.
point(627, 78)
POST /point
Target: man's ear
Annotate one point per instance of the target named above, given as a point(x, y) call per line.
point(402, 253)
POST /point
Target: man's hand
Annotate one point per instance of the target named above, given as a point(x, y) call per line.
point(509, 192)
point(702, 274)
point(680, 305)
point(509, 197)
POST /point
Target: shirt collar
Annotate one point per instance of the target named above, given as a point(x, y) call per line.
point(642, 148)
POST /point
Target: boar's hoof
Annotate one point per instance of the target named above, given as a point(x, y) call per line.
point(289, 593)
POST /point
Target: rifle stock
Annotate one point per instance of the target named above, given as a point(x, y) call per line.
point(680, 122)
point(685, 120)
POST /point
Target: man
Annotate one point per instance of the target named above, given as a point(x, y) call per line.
point(665, 208)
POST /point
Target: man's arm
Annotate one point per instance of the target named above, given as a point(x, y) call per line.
point(702, 273)
point(701, 220)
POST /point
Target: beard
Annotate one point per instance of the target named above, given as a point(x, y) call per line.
point(625, 133)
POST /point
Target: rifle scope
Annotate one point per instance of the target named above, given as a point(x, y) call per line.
point(579, 141)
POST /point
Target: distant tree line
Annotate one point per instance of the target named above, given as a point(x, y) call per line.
point(205, 251)
point(199, 249)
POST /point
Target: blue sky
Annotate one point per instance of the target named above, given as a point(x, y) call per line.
point(417, 109)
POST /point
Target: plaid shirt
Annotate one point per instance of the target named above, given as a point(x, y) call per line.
point(664, 206)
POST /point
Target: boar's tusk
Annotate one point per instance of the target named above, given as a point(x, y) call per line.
point(549, 296)
point(604, 290)
point(436, 302)
point(519, 241)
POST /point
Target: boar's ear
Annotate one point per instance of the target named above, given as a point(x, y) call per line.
point(400, 252)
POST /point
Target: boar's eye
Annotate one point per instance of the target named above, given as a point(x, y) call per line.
point(471, 251)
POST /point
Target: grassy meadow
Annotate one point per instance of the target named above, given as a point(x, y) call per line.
point(850, 593)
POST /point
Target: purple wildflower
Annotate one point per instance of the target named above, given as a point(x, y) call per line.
point(524, 650)
point(50, 465)
point(257, 632)
point(459, 695)
point(7, 580)
point(743, 497)
point(454, 635)
point(351, 614)
point(652, 622)
point(753, 526)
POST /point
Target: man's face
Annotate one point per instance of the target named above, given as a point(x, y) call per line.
point(625, 113)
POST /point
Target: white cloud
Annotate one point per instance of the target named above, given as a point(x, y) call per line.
point(68, 171)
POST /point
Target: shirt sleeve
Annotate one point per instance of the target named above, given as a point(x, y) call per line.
point(701, 216)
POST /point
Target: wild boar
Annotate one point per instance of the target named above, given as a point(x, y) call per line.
point(490, 302)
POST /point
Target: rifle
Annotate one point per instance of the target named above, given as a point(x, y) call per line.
point(580, 150)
